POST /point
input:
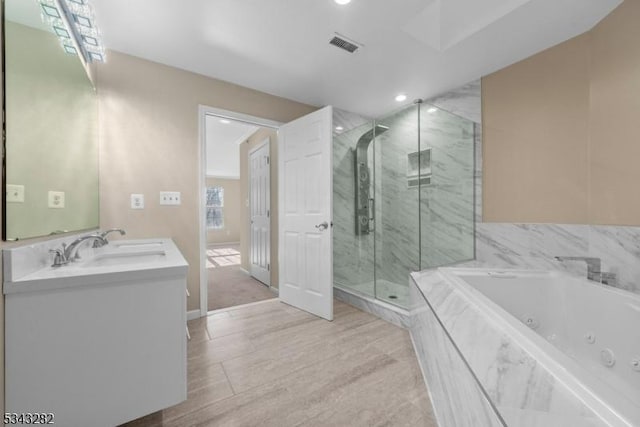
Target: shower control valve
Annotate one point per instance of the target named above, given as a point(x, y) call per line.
point(635, 364)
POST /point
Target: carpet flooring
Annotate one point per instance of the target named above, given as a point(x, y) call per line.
point(228, 284)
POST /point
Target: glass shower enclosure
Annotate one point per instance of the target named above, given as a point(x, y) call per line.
point(403, 196)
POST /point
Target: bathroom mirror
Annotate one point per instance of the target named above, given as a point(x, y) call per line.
point(50, 120)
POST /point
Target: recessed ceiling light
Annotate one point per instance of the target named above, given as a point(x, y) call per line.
point(432, 110)
point(342, 1)
point(401, 97)
point(339, 128)
point(225, 121)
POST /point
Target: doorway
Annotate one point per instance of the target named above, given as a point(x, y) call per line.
point(302, 233)
point(236, 230)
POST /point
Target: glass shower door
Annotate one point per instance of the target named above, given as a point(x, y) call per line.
point(353, 241)
point(397, 237)
point(447, 233)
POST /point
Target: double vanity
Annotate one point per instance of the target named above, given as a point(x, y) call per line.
point(99, 340)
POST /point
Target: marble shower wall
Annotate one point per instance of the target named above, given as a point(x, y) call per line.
point(447, 203)
point(396, 206)
point(466, 102)
point(443, 210)
point(536, 245)
point(353, 255)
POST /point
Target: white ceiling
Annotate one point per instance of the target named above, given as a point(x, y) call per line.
point(223, 151)
point(419, 47)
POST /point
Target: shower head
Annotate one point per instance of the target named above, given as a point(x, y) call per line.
point(367, 137)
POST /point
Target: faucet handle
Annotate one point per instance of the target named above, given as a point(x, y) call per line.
point(59, 259)
point(99, 244)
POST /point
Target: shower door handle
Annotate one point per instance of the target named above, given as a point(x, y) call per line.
point(372, 214)
point(322, 226)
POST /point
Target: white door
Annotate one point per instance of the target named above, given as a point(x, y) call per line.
point(260, 212)
point(305, 206)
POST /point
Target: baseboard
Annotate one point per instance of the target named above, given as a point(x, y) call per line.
point(193, 314)
point(274, 290)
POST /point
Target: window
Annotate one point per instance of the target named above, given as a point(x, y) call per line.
point(215, 208)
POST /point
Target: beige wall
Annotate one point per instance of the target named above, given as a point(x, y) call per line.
point(255, 140)
point(149, 143)
point(232, 212)
point(561, 129)
point(615, 118)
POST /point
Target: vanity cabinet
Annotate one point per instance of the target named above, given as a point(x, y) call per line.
point(99, 347)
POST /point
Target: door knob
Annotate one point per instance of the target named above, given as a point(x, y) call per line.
point(322, 226)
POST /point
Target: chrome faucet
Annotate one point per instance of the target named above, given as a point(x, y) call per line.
point(594, 269)
point(71, 252)
point(99, 244)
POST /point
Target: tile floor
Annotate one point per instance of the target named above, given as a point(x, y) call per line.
point(269, 364)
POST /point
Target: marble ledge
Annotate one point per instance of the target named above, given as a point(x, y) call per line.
point(509, 375)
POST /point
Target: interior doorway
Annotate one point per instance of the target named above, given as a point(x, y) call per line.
point(237, 240)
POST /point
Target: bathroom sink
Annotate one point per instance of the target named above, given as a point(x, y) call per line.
point(125, 258)
point(139, 245)
point(117, 262)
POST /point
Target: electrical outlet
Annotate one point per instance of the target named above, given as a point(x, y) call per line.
point(15, 193)
point(170, 198)
point(56, 199)
point(137, 201)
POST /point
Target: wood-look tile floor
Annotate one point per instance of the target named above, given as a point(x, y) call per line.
point(270, 364)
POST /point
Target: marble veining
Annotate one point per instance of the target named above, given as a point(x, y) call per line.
point(536, 245)
point(457, 397)
point(414, 228)
point(464, 101)
point(517, 384)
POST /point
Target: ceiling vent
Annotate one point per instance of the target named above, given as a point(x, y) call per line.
point(343, 43)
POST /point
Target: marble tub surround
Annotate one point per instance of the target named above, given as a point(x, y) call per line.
point(457, 397)
point(536, 245)
point(520, 387)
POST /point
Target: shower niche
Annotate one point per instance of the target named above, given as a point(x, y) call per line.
point(419, 168)
point(403, 191)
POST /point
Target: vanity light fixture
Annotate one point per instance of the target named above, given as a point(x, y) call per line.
point(342, 2)
point(74, 23)
point(401, 97)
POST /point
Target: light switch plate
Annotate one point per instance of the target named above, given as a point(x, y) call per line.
point(170, 198)
point(56, 199)
point(15, 193)
point(137, 201)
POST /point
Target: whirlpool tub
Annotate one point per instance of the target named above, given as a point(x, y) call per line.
point(543, 348)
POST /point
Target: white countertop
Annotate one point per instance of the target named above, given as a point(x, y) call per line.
point(119, 261)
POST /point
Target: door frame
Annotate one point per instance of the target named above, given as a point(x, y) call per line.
point(203, 112)
point(265, 143)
